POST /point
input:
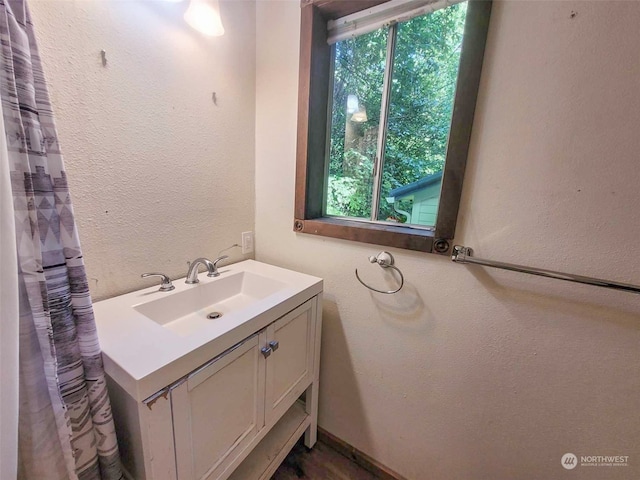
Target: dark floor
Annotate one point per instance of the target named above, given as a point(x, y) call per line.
point(321, 463)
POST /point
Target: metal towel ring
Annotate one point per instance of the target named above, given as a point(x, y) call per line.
point(385, 260)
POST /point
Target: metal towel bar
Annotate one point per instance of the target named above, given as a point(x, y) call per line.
point(465, 255)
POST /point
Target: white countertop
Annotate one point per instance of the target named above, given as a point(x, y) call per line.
point(144, 356)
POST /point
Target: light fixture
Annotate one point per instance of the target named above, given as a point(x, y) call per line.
point(352, 103)
point(204, 16)
point(360, 116)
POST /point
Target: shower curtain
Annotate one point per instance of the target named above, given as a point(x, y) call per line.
point(65, 427)
point(8, 321)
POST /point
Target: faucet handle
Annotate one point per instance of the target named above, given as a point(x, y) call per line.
point(215, 262)
point(165, 286)
point(214, 272)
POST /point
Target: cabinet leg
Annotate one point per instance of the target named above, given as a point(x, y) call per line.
point(311, 406)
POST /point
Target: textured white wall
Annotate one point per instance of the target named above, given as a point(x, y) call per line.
point(159, 174)
point(474, 374)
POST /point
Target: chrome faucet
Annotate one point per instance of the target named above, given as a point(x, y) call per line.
point(192, 274)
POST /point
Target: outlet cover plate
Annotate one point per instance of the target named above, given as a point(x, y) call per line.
point(247, 242)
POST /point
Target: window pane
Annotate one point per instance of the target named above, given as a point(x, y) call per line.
point(425, 70)
point(355, 117)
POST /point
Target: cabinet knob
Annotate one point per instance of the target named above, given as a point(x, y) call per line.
point(266, 351)
point(274, 344)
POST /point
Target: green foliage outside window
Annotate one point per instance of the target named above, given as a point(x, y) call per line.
point(425, 70)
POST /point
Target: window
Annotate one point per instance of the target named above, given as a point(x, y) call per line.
point(386, 104)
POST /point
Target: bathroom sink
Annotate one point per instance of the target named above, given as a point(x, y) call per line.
point(149, 338)
point(187, 311)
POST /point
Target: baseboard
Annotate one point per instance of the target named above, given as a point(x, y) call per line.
point(362, 459)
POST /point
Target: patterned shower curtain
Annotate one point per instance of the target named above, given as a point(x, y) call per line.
point(65, 427)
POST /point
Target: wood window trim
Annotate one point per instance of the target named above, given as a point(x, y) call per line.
point(313, 98)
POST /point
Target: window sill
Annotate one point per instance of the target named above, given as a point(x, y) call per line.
point(398, 236)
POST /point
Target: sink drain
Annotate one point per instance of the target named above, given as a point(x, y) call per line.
point(214, 315)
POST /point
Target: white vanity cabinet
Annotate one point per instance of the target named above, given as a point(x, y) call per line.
point(219, 410)
point(236, 415)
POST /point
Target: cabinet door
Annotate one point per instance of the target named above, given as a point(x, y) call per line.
point(218, 410)
point(290, 365)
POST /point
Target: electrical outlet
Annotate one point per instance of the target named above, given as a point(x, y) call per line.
point(247, 242)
